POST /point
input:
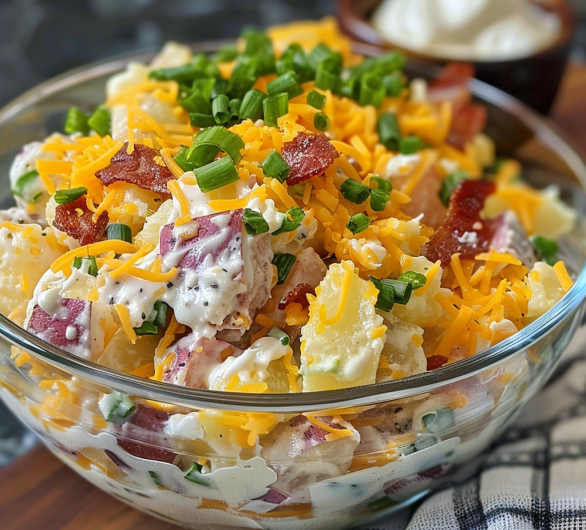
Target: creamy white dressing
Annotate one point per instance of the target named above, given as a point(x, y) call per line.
point(401, 165)
point(267, 209)
point(185, 426)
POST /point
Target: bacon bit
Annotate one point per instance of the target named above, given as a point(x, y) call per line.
point(308, 155)
point(436, 361)
point(466, 202)
point(80, 227)
point(297, 295)
point(467, 121)
point(139, 168)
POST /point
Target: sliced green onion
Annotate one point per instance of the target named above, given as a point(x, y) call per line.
point(92, 268)
point(156, 478)
point(383, 184)
point(393, 84)
point(196, 103)
point(208, 142)
point(285, 83)
point(195, 475)
point(220, 109)
point(116, 407)
point(274, 107)
point(239, 85)
point(298, 189)
point(151, 327)
point(70, 195)
point(388, 131)
point(372, 90)
point(206, 87)
point(226, 54)
point(350, 88)
point(449, 184)
point(181, 160)
point(101, 121)
point(119, 231)
point(220, 88)
point(386, 294)
point(251, 108)
point(410, 145)
point(293, 59)
point(317, 55)
point(284, 264)
point(184, 74)
point(438, 420)
point(325, 79)
point(257, 42)
point(76, 122)
point(321, 122)
point(379, 199)
point(234, 110)
point(274, 166)
point(216, 174)
point(201, 120)
point(254, 222)
point(358, 223)
point(403, 291)
point(276, 333)
point(291, 221)
point(546, 248)
point(146, 328)
point(354, 191)
point(23, 182)
point(416, 279)
point(316, 100)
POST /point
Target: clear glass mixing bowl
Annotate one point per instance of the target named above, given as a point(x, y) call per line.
point(392, 442)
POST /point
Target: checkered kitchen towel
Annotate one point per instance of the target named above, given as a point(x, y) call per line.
point(533, 478)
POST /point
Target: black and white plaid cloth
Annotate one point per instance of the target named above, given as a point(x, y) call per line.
point(533, 478)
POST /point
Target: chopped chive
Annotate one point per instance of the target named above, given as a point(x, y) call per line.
point(239, 85)
point(151, 327)
point(226, 54)
point(101, 121)
point(410, 145)
point(119, 231)
point(116, 406)
point(220, 109)
point(388, 131)
point(316, 100)
point(23, 182)
point(92, 268)
point(354, 191)
point(77, 122)
point(208, 142)
point(291, 221)
point(274, 166)
point(195, 475)
point(274, 107)
point(372, 90)
point(216, 174)
point(416, 279)
point(393, 84)
point(252, 103)
point(285, 83)
point(358, 223)
point(321, 122)
point(386, 294)
point(546, 248)
point(155, 478)
point(70, 195)
point(383, 184)
point(254, 222)
point(379, 199)
point(284, 264)
point(449, 184)
point(201, 120)
point(276, 333)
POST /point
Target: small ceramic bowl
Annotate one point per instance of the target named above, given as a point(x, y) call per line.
point(534, 80)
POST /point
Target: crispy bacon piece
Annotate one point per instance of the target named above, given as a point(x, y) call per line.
point(467, 121)
point(297, 295)
point(308, 155)
point(138, 168)
point(463, 217)
point(80, 226)
point(436, 361)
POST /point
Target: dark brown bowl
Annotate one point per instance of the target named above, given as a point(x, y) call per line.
point(535, 80)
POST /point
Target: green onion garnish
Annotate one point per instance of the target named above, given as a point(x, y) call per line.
point(119, 231)
point(372, 90)
point(321, 122)
point(116, 407)
point(403, 291)
point(386, 294)
point(293, 59)
point(291, 221)
point(234, 110)
point(220, 88)
point(388, 131)
point(410, 145)
point(101, 121)
point(383, 184)
point(298, 189)
point(208, 142)
point(416, 279)
point(254, 222)
point(199, 67)
point(546, 248)
point(181, 159)
point(379, 199)
point(358, 223)
point(92, 268)
point(449, 184)
point(195, 475)
point(225, 54)
point(316, 100)
point(201, 120)
point(151, 327)
point(23, 182)
point(276, 333)
point(393, 84)
point(274, 107)
point(156, 478)
point(239, 85)
point(220, 109)
point(251, 108)
point(197, 103)
point(354, 191)
point(274, 166)
point(284, 264)
point(70, 195)
point(76, 122)
point(216, 174)
point(317, 55)
point(326, 79)
point(285, 83)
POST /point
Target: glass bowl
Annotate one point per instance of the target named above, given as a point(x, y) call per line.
point(203, 459)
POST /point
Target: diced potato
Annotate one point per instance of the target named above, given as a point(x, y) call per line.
point(342, 342)
point(150, 233)
point(120, 354)
point(172, 54)
point(546, 290)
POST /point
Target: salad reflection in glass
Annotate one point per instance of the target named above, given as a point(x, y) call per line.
point(283, 217)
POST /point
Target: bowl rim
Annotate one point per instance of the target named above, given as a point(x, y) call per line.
point(309, 401)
